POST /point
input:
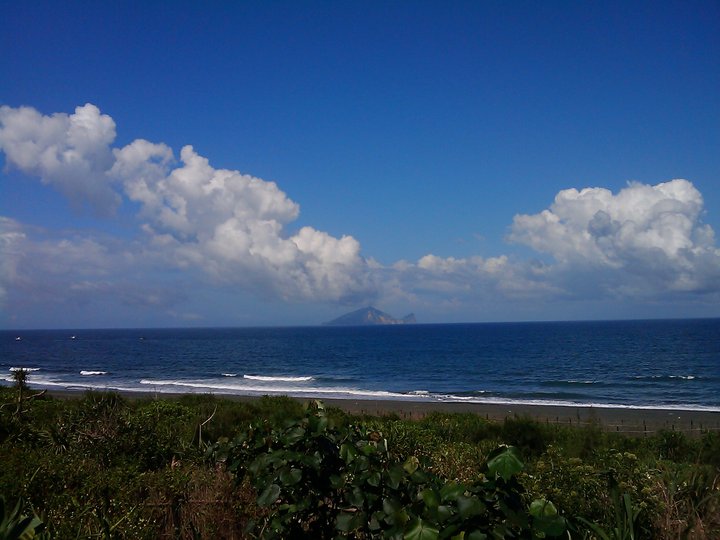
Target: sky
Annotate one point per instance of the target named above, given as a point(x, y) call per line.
point(170, 164)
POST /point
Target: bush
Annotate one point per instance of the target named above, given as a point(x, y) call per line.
point(531, 437)
point(320, 480)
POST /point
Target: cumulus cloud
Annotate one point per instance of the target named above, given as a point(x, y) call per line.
point(645, 243)
point(236, 230)
point(70, 152)
point(643, 239)
point(231, 225)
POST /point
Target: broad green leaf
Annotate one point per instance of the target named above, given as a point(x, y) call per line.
point(374, 479)
point(396, 474)
point(550, 526)
point(470, 506)
point(419, 477)
point(411, 464)
point(505, 464)
point(312, 461)
point(395, 514)
point(356, 497)
point(374, 522)
point(344, 522)
point(318, 424)
point(431, 498)
point(269, 495)
point(419, 530)
point(542, 508)
point(294, 435)
point(444, 513)
point(451, 491)
point(362, 463)
point(347, 452)
point(391, 505)
point(290, 477)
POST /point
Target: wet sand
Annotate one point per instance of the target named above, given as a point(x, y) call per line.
point(631, 421)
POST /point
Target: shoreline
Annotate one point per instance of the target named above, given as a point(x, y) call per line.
point(631, 421)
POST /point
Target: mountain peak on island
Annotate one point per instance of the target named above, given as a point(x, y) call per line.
point(369, 316)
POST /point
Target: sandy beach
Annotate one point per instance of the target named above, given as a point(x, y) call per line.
point(623, 420)
point(637, 421)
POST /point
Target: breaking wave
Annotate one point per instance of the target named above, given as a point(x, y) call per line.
point(281, 378)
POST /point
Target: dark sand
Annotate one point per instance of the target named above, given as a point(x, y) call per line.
point(630, 421)
point(637, 421)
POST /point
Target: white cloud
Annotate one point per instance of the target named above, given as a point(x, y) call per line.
point(11, 239)
point(68, 276)
point(645, 243)
point(70, 152)
point(643, 240)
point(474, 279)
point(231, 225)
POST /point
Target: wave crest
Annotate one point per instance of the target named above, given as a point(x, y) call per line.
point(281, 378)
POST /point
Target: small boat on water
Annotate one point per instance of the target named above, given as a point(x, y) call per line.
point(18, 338)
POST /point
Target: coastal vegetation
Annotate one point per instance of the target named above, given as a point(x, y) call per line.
point(105, 466)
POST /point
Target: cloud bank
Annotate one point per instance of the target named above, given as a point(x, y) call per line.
point(69, 152)
point(646, 242)
point(231, 226)
point(643, 241)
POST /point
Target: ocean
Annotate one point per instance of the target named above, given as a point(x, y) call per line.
point(668, 364)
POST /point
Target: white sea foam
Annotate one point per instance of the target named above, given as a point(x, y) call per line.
point(240, 388)
point(684, 377)
point(560, 403)
point(229, 374)
point(25, 369)
point(93, 372)
point(47, 382)
point(267, 378)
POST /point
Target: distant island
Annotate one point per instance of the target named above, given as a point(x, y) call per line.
point(369, 316)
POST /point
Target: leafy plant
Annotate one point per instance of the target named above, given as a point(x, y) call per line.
point(319, 480)
point(16, 526)
point(626, 517)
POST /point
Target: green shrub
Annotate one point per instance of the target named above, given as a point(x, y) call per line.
point(321, 480)
point(528, 435)
point(15, 524)
point(674, 445)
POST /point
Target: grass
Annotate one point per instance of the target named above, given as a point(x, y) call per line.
point(102, 466)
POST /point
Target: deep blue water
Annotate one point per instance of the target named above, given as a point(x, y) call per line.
point(673, 364)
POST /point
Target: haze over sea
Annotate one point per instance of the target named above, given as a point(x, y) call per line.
point(669, 364)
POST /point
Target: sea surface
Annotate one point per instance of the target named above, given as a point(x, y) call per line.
point(672, 364)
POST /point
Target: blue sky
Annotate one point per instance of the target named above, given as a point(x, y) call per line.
point(417, 156)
